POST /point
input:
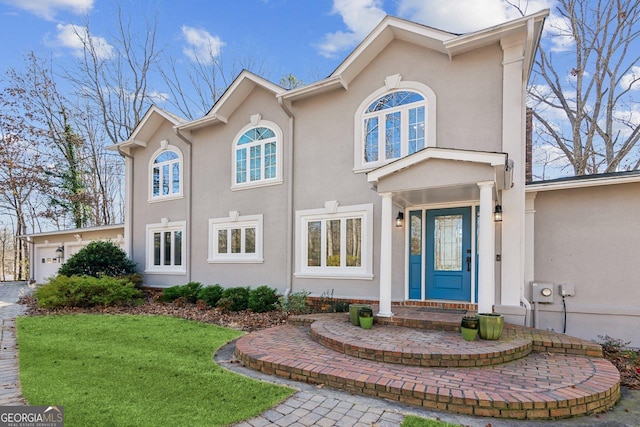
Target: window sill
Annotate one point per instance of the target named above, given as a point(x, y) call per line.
point(165, 198)
point(155, 271)
point(236, 261)
point(330, 275)
point(256, 184)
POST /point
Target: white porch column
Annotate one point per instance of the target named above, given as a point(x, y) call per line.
point(486, 249)
point(385, 255)
point(513, 143)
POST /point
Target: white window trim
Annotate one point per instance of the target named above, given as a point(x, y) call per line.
point(150, 268)
point(393, 84)
point(163, 198)
point(234, 220)
point(333, 211)
point(256, 121)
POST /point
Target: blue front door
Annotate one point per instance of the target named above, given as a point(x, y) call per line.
point(416, 222)
point(448, 254)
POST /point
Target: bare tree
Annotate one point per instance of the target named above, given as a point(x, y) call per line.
point(21, 175)
point(207, 77)
point(587, 109)
point(114, 79)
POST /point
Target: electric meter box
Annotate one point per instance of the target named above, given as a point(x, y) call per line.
point(542, 292)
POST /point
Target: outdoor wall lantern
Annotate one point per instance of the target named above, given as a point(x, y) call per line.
point(60, 253)
point(497, 214)
point(400, 220)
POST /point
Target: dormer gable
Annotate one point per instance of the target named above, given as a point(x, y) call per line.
point(146, 128)
point(231, 99)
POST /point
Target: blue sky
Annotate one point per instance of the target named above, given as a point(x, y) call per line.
point(308, 38)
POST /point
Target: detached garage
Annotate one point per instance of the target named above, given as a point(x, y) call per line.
point(48, 251)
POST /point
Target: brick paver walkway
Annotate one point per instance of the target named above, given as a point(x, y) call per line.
point(10, 394)
point(540, 386)
point(419, 347)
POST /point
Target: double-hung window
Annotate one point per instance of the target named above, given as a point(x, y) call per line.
point(335, 243)
point(166, 247)
point(236, 239)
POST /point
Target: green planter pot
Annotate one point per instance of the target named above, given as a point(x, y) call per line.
point(469, 334)
point(366, 322)
point(469, 322)
point(354, 310)
point(491, 325)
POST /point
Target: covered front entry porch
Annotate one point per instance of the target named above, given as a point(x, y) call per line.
point(446, 199)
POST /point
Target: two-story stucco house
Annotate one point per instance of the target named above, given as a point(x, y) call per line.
point(382, 182)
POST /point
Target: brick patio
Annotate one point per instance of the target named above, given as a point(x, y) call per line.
point(527, 374)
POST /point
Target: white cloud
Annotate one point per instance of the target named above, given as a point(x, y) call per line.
point(360, 17)
point(464, 16)
point(202, 46)
point(75, 37)
point(158, 97)
point(557, 32)
point(628, 79)
point(48, 9)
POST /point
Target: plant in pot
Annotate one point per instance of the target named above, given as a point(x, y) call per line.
point(469, 328)
point(365, 316)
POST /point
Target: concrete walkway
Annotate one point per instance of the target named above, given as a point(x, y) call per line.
point(310, 405)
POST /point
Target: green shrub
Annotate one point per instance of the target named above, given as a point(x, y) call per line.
point(262, 299)
point(238, 298)
point(86, 291)
point(189, 293)
point(295, 303)
point(211, 294)
point(99, 258)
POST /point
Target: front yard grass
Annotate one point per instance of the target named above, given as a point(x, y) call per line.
point(136, 371)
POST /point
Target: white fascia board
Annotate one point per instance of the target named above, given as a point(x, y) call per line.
point(491, 35)
point(582, 183)
point(493, 159)
point(231, 99)
point(75, 230)
point(326, 85)
point(211, 119)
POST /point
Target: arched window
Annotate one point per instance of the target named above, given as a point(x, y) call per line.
point(166, 175)
point(394, 126)
point(395, 121)
point(257, 157)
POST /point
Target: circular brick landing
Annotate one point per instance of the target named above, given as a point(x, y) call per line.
point(417, 347)
point(540, 386)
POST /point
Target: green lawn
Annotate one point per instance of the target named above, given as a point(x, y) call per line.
point(413, 421)
point(135, 371)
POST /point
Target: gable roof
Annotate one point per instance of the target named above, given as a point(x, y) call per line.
point(499, 161)
point(231, 99)
point(149, 124)
point(393, 28)
point(584, 181)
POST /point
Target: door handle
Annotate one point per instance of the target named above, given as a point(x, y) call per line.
point(468, 263)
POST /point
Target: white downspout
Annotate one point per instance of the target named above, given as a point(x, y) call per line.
point(190, 203)
point(290, 225)
point(128, 204)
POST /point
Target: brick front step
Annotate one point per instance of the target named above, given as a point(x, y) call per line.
point(417, 347)
point(540, 386)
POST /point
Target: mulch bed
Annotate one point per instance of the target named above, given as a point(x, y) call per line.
point(242, 320)
point(627, 362)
